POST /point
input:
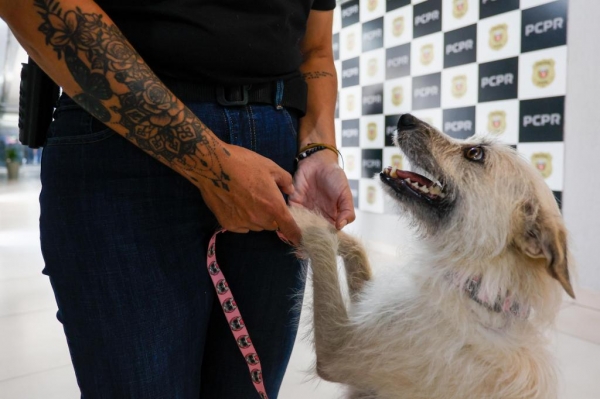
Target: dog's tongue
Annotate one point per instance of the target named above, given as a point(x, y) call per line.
point(422, 180)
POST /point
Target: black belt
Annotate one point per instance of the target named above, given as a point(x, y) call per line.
point(294, 93)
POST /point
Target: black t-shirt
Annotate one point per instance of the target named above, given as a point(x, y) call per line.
point(217, 41)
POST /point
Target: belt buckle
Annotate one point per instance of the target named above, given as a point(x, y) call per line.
point(223, 101)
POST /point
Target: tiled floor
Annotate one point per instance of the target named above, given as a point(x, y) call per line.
point(34, 360)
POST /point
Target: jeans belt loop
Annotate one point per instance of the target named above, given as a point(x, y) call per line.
point(220, 91)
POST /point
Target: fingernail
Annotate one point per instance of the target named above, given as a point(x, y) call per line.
point(343, 224)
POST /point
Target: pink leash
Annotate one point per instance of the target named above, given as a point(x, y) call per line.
point(234, 317)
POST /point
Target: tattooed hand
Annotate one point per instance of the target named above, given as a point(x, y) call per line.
point(253, 201)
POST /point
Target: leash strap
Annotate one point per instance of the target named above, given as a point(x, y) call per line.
point(234, 317)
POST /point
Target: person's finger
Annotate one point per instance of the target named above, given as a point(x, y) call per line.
point(275, 226)
point(284, 180)
point(346, 213)
point(242, 230)
point(288, 227)
point(289, 190)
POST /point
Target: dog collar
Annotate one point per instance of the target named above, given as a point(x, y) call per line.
point(504, 304)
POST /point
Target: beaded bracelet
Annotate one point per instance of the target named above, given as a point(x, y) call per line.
point(311, 148)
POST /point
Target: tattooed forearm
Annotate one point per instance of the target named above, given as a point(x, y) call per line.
point(316, 75)
point(118, 87)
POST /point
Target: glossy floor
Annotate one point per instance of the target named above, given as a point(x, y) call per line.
point(34, 359)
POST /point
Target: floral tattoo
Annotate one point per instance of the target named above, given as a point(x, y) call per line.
point(156, 121)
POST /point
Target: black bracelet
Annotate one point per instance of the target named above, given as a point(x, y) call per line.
point(309, 152)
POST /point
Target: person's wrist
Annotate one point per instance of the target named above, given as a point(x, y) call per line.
point(329, 158)
point(318, 150)
point(201, 178)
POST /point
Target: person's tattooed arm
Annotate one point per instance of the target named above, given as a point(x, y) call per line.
point(118, 88)
point(83, 51)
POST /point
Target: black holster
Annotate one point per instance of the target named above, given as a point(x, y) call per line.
point(37, 99)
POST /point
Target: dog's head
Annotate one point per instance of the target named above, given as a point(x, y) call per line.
point(481, 191)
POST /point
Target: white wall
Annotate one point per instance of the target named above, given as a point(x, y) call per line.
point(11, 57)
point(381, 232)
point(581, 196)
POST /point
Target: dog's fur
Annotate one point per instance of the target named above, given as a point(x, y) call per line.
point(414, 331)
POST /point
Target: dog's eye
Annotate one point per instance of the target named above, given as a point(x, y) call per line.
point(474, 154)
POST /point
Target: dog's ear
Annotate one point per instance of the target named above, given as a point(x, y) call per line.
point(544, 236)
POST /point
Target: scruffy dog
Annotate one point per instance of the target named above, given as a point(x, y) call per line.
point(463, 315)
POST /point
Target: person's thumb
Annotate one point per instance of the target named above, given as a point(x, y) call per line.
point(346, 213)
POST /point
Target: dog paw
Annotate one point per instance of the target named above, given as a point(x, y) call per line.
point(309, 220)
point(318, 234)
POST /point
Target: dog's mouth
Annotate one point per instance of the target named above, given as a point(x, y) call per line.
point(425, 183)
point(422, 186)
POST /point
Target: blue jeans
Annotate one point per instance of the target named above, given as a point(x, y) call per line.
point(124, 240)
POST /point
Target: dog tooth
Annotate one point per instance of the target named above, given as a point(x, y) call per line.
point(415, 184)
point(435, 190)
point(393, 172)
point(407, 180)
point(424, 189)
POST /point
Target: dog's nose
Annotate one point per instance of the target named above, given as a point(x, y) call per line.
point(407, 121)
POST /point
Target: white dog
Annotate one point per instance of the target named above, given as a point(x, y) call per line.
point(463, 315)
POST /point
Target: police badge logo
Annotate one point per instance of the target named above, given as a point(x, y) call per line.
point(460, 8)
point(372, 67)
point(397, 161)
point(398, 26)
point(371, 195)
point(498, 36)
point(459, 86)
point(543, 73)
point(426, 54)
point(372, 5)
point(350, 102)
point(372, 131)
point(397, 95)
point(542, 161)
point(350, 41)
point(350, 163)
point(497, 122)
